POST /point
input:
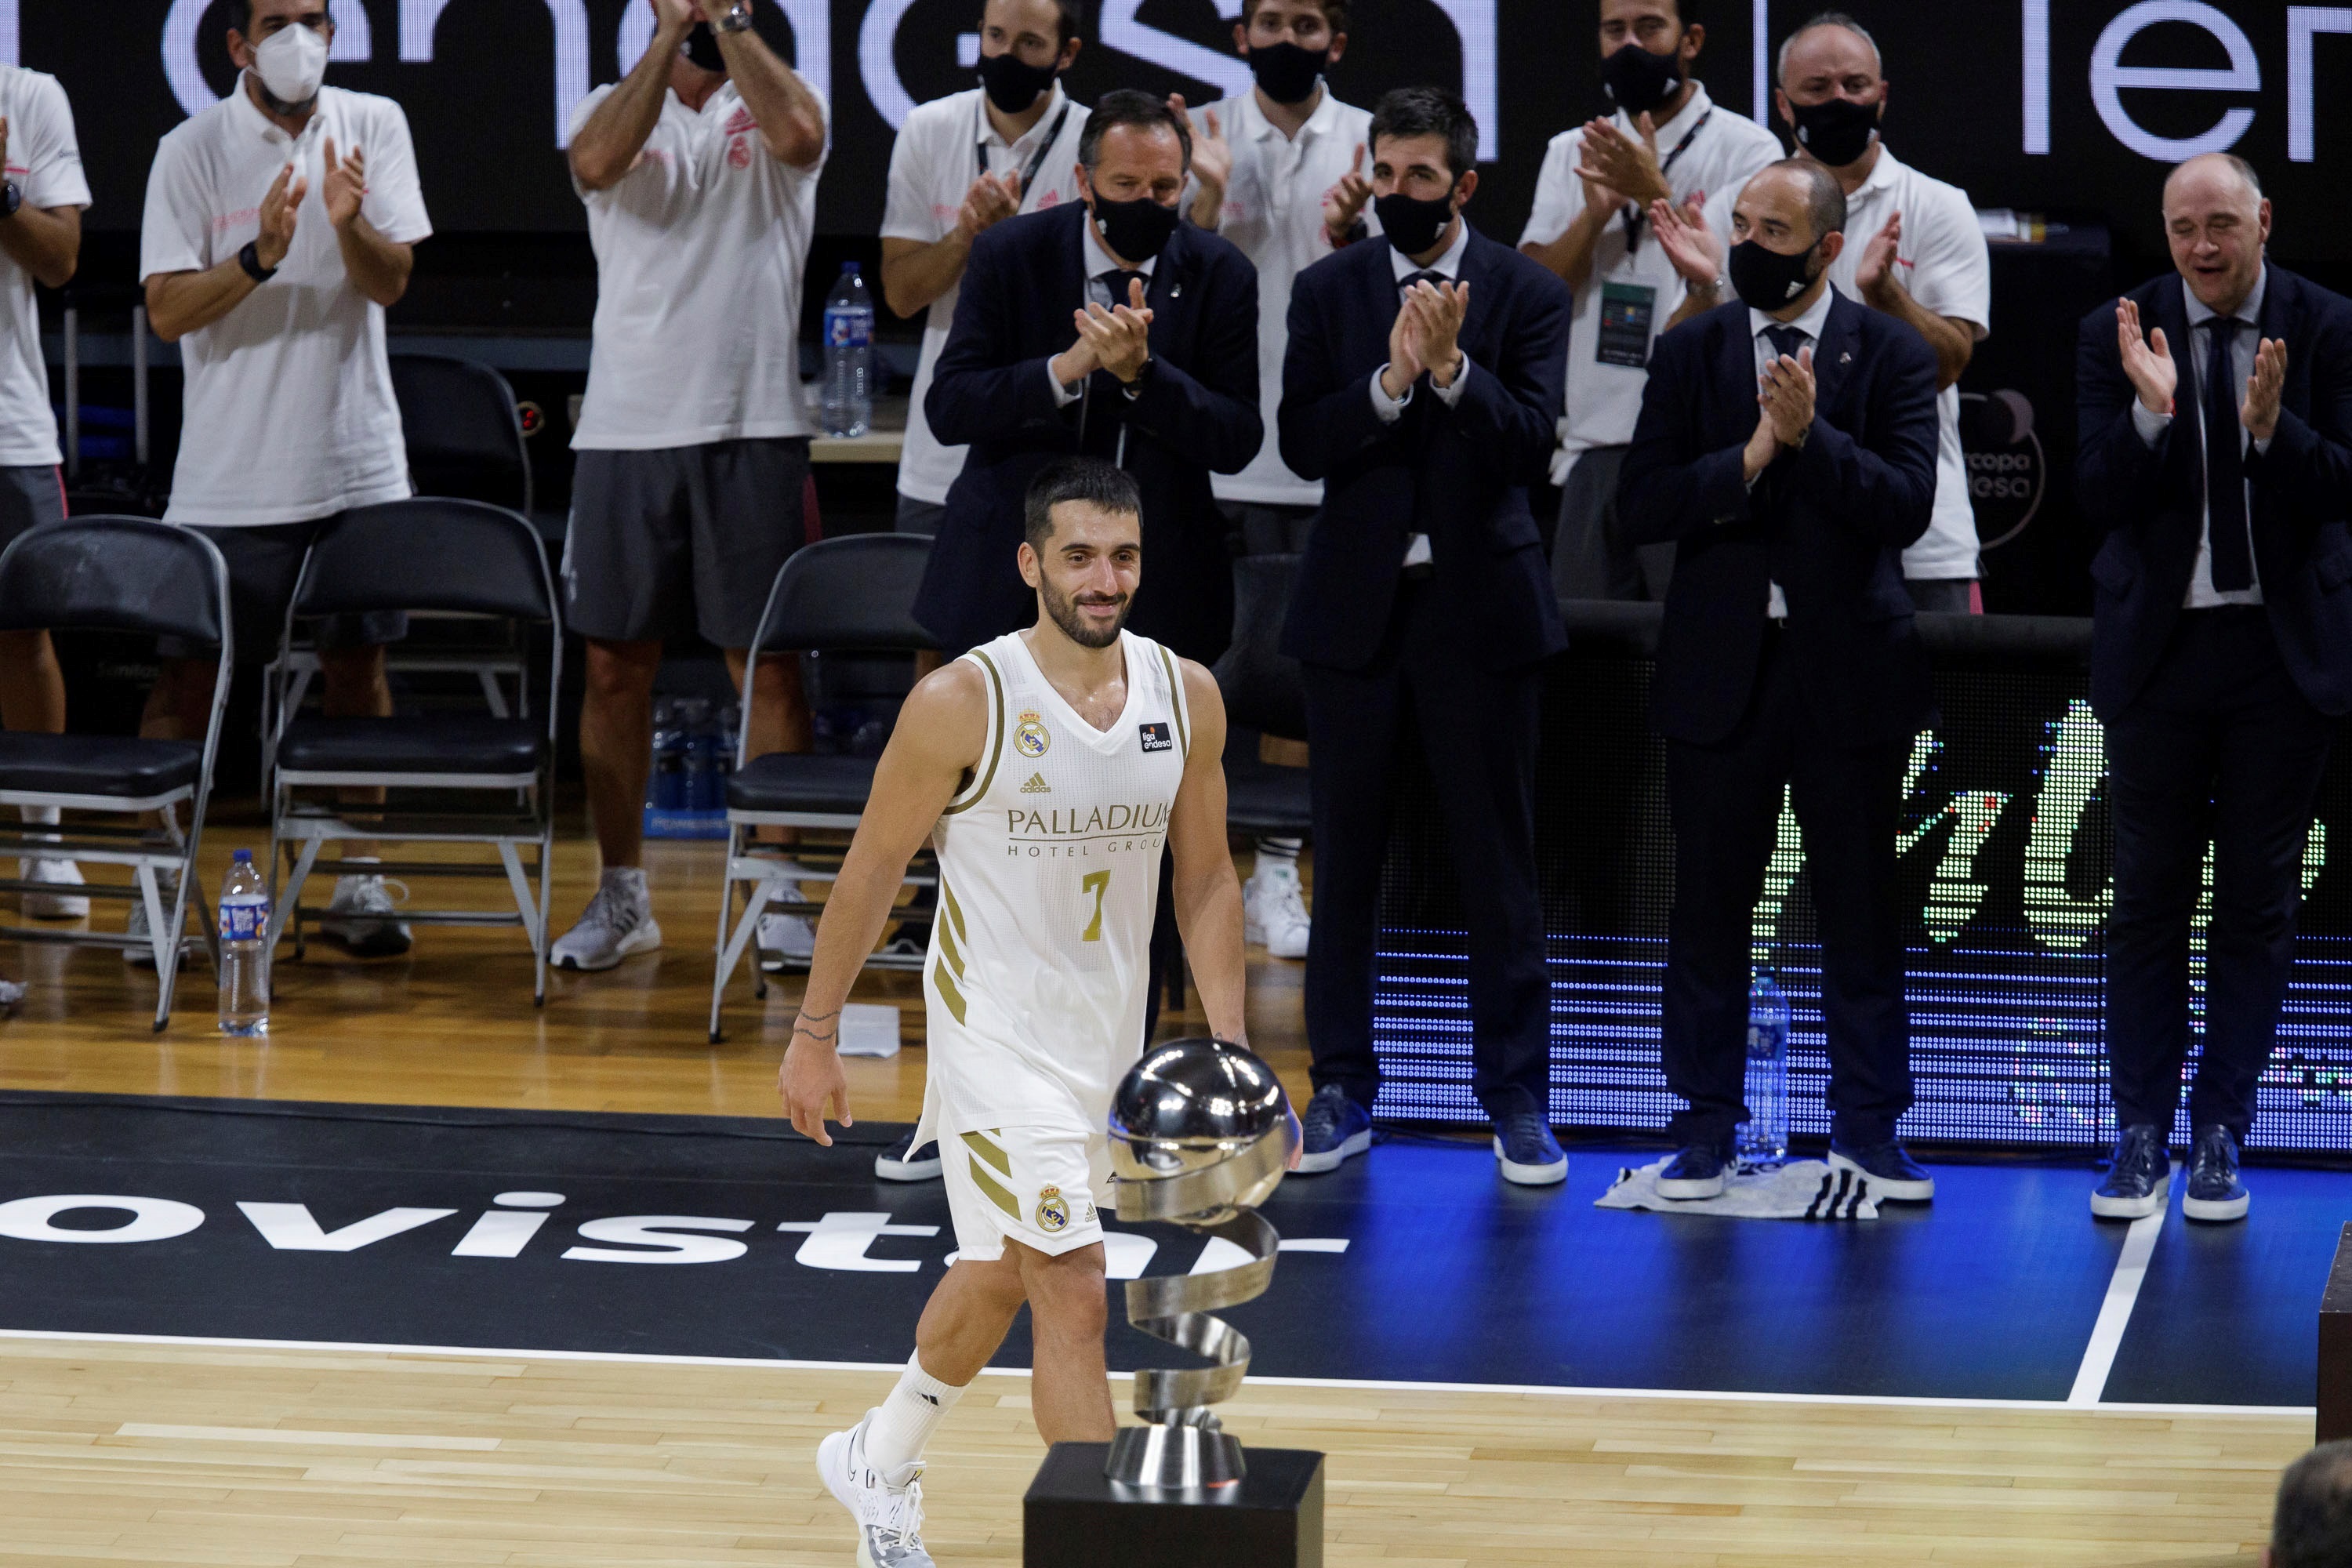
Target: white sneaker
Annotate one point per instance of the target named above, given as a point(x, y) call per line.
point(143, 955)
point(1273, 914)
point(786, 942)
point(360, 917)
point(10, 994)
point(618, 922)
point(53, 906)
point(889, 1509)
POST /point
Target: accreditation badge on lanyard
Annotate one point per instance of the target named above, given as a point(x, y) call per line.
point(1627, 313)
point(1036, 159)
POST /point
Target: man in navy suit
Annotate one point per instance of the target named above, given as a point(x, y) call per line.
point(1421, 385)
point(2216, 457)
point(1111, 329)
point(1787, 447)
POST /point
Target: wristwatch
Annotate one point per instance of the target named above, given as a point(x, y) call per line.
point(737, 20)
point(11, 197)
point(250, 260)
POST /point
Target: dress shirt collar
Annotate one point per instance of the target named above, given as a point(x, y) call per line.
point(1027, 142)
point(1816, 317)
point(1446, 266)
point(1098, 260)
point(1254, 125)
point(2251, 312)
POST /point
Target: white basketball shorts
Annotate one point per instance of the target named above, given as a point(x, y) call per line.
point(1037, 1185)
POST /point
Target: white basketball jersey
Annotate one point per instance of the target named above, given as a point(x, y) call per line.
point(1039, 967)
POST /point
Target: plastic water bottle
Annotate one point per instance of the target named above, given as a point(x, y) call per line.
point(244, 950)
point(1764, 1137)
point(667, 785)
point(848, 355)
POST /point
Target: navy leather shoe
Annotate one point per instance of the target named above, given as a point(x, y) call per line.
point(1893, 1173)
point(1337, 1129)
point(1526, 1152)
point(2139, 1177)
point(1695, 1171)
point(2215, 1193)
point(902, 1162)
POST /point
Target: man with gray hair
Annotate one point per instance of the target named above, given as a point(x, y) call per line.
point(1917, 254)
point(2215, 457)
point(2311, 1527)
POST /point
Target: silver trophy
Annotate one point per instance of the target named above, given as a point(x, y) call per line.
point(1201, 1134)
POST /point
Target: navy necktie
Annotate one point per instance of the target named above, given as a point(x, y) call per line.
point(1786, 340)
point(1114, 283)
point(2225, 463)
point(1435, 279)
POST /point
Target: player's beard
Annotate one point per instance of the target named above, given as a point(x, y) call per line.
point(1062, 610)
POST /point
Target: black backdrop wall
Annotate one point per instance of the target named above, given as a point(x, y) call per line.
point(2073, 105)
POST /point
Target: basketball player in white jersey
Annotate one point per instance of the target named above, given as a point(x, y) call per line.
point(1048, 768)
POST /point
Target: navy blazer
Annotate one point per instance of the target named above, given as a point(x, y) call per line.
point(1197, 412)
point(1828, 523)
point(1458, 475)
point(2149, 502)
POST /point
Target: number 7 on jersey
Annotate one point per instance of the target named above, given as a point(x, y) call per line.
point(1097, 883)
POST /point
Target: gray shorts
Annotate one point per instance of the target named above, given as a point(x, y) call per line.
point(29, 497)
point(682, 539)
point(1591, 558)
point(264, 563)
point(923, 517)
point(1261, 527)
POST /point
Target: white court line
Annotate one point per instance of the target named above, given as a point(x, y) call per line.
point(2115, 1313)
point(1368, 1384)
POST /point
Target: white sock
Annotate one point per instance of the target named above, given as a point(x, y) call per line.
point(42, 816)
point(896, 1434)
point(1273, 852)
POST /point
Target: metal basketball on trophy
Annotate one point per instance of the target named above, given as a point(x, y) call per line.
point(1201, 1134)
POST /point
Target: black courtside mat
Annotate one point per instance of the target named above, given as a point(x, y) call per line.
point(730, 1238)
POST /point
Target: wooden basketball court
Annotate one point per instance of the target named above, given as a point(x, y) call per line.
point(166, 1453)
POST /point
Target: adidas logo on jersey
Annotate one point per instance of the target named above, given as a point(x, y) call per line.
point(1037, 785)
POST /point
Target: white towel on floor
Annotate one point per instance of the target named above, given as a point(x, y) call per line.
point(1803, 1189)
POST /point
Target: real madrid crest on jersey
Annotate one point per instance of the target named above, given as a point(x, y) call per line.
point(1053, 1210)
point(1029, 737)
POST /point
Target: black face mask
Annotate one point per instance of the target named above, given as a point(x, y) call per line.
point(1638, 81)
point(1012, 83)
point(1137, 230)
point(1413, 223)
point(1838, 131)
point(1287, 73)
point(1768, 280)
point(702, 48)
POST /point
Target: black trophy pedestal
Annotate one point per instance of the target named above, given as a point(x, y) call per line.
point(1271, 1518)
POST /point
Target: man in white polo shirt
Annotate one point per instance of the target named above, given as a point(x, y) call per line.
point(1918, 254)
point(279, 224)
point(1280, 171)
point(41, 204)
point(700, 172)
point(1667, 142)
point(963, 165)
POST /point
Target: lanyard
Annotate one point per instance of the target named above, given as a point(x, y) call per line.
point(1634, 219)
point(1046, 149)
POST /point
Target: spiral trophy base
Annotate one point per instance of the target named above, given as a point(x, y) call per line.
point(1175, 1456)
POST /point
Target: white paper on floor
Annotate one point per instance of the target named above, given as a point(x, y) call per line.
point(869, 1029)
point(1803, 1189)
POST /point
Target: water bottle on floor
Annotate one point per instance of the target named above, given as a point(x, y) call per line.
point(1764, 1137)
point(244, 950)
point(848, 355)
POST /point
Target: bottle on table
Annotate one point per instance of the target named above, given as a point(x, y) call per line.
point(244, 950)
point(848, 408)
point(1764, 1136)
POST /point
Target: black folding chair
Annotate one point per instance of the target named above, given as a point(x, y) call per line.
point(133, 574)
point(439, 558)
point(463, 429)
point(852, 594)
point(1264, 690)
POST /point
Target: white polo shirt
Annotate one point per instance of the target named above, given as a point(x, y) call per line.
point(288, 412)
point(938, 155)
point(45, 163)
point(1632, 289)
point(1946, 267)
point(1273, 213)
point(700, 250)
